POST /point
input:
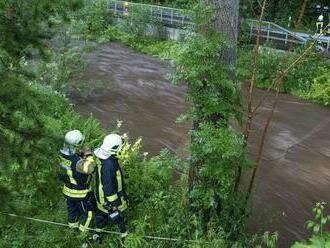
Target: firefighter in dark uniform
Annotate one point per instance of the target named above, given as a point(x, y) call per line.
point(110, 191)
point(320, 24)
point(77, 178)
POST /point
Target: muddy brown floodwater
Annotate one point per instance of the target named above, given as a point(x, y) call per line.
point(295, 169)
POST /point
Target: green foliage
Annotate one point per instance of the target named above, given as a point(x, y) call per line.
point(63, 72)
point(26, 24)
point(307, 79)
point(163, 49)
point(221, 151)
point(320, 220)
point(30, 134)
point(60, 68)
point(279, 11)
point(269, 239)
point(320, 238)
point(185, 4)
point(91, 21)
point(198, 65)
point(320, 90)
point(34, 119)
point(216, 149)
point(139, 23)
point(268, 65)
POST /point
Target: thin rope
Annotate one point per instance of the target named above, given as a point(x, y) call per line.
point(93, 229)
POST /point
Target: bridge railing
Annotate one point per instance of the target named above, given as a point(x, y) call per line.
point(166, 15)
point(272, 32)
point(179, 18)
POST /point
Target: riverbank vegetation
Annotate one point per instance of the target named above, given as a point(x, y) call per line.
point(35, 113)
point(277, 11)
point(309, 79)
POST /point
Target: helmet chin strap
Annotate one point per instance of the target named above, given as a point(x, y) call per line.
point(107, 153)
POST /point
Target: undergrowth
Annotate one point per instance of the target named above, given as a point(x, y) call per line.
point(309, 79)
point(35, 114)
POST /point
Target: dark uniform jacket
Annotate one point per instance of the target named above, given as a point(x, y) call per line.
point(110, 185)
point(76, 185)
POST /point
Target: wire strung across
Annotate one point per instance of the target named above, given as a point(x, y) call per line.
point(97, 230)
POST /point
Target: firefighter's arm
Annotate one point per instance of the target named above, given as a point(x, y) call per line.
point(110, 186)
point(86, 165)
point(64, 164)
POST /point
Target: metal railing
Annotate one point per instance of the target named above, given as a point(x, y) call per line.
point(165, 15)
point(173, 17)
point(272, 32)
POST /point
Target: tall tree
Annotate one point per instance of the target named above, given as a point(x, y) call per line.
point(207, 65)
point(27, 111)
point(225, 21)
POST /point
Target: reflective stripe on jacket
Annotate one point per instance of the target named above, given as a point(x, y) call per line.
point(110, 185)
point(76, 185)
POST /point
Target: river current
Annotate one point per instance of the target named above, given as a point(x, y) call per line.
point(294, 172)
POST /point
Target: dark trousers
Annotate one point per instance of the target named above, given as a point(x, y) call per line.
point(102, 219)
point(80, 213)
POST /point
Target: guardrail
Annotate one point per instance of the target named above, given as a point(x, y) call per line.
point(272, 32)
point(167, 16)
point(179, 18)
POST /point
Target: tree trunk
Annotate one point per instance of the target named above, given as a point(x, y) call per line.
point(225, 21)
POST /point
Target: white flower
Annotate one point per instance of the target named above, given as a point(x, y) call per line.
point(119, 123)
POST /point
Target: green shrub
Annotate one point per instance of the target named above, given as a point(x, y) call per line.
point(320, 90)
point(92, 20)
point(307, 79)
point(300, 78)
point(34, 120)
point(60, 68)
point(320, 238)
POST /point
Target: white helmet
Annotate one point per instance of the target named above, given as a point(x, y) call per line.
point(111, 145)
point(74, 138)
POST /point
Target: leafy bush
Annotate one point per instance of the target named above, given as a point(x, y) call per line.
point(60, 68)
point(320, 90)
point(35, 117)
point(299, 80)
point(34, 120)
point(320, 237)
point(92, 20)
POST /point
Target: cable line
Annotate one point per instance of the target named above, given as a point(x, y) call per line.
point(96, 230)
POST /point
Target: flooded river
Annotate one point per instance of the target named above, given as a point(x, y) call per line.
point(295, 170)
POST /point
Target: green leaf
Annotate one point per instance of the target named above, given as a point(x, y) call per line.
point(310, 224)
point(324, 220)
point(316, 228)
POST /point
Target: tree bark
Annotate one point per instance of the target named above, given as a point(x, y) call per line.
point(226, 21)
